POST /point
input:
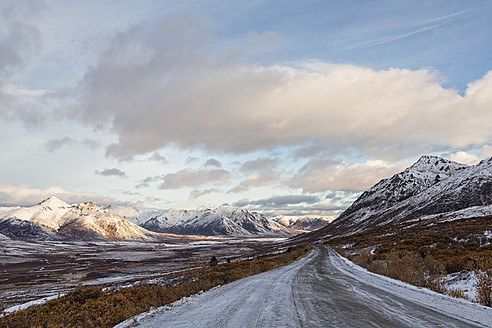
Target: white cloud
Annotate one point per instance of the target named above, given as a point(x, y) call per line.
point(18, 91)
point(189, 177)
point(471, 159)
point(161, 85)
point(11, 195)
point(187, 97)
point(321, 175)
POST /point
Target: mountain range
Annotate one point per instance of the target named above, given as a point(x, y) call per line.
point(431, 186)
point(304, 224)
point(221, 221)
point(54, 219)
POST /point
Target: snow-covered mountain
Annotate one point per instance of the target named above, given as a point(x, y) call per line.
point(304, 223)
point(47, 213)
point(54, 219)
point(221, 221)
point(87, 221)
point(24, 229)
point(432, 185)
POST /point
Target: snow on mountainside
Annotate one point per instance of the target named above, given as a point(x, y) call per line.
point(87, 221)
point(54, 219)
point(222, 221)
point(427, 171)
point(432, 185)
point(47, 213)
point(304, 223)
point(23, 229)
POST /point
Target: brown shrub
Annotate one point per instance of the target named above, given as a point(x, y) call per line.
point(482, 267)
point(95, 307)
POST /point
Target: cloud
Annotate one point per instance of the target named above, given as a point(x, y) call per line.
point(56, 144)
point(213, 162)
point(320, 175)
point(114, 172)
point(157, 157)
point(471, 159)
point(191, 159)
point(121, 154)
point(189, 177)
point(145, 183)
point(194, 99)
point(291, 205)
point(11, 195)
point(310, 211)
point(91, 144)
point(194, 194)
point(298, 205)
point(259, 172)
point(20, 41)
point(280, 200)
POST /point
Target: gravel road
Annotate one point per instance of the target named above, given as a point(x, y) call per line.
point(321, 290)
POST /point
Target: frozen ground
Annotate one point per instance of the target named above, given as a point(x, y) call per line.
point(321, 290)
point(30, 271)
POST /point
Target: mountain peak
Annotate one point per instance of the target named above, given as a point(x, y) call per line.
point(427, 161)
point(53, 202)
point(87, 207)
point(435, 164)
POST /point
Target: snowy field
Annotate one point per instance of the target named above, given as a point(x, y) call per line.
point(30, 271)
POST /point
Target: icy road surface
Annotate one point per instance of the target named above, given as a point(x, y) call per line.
point(321, 290)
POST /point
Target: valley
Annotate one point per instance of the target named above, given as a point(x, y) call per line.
point(429, 226)
point(33, 270)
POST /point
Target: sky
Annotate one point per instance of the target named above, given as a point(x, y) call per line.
point(282, 107)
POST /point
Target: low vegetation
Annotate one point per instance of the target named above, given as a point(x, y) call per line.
point(423, 252)
point(98, 307)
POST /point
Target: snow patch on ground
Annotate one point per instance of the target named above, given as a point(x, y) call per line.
point(29, 304)
point(153, 311)
point(454, 307)
point(463, 281)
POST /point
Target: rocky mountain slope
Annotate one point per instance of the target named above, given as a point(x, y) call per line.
point(221, 221)
point(304, 224)
point(432, 185)
point(55, 219)
point(87, 221)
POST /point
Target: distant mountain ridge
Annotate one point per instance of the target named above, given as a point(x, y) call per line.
point(304, 223)
point(431, 186)
point(53, 219)
point(221, 221)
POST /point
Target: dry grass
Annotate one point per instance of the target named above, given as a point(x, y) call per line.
point(95, 307)
point(422, 252)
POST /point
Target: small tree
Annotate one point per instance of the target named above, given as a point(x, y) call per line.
point(213, 261)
